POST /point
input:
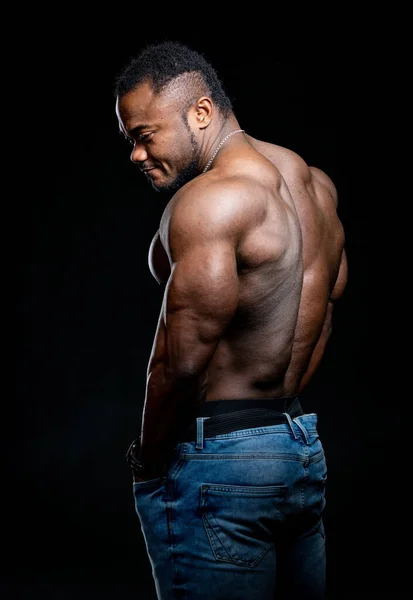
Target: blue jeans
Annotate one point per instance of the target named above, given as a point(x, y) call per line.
point(239, 516)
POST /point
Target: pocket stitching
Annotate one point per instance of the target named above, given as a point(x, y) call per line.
point(206, 517)
point(214, 531)
point(138, 485)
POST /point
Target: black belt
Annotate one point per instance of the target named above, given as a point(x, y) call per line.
point(225, 416)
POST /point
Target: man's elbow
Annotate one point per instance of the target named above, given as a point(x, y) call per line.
point(189, 368)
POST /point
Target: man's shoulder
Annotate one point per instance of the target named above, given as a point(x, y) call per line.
point(323, 179)
point(213, 190)
point(278, 155)
point(218, 204)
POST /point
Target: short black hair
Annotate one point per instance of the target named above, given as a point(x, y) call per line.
point(161, 63)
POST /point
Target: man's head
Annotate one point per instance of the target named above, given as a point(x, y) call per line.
point(166, 97)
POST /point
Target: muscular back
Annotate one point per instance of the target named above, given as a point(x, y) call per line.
point(291, 267)
point(324, 259)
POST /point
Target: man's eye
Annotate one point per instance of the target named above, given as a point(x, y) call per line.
point(143, 137)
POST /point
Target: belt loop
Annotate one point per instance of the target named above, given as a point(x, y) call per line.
point(200, 432)
point(304, 431)
point(291, 425)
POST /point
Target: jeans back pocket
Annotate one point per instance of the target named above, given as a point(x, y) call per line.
point(239, 520)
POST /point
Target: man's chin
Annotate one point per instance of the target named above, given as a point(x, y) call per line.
point(157, 184)
point(172, 187)
point(165, 188)
point(186, 175)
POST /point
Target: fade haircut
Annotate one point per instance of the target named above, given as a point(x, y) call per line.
point(174, 67)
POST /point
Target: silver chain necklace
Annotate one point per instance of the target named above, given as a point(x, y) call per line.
point(209, 163)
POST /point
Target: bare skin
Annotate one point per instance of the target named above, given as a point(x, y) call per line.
point(248, 363)
point(252, 257)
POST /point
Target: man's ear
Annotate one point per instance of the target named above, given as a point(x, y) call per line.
point(202, 112)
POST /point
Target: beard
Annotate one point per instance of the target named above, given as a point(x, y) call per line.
point(187, 173)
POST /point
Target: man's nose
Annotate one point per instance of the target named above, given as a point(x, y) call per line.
point(138, 154)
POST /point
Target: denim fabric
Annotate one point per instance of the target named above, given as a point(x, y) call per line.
point(239, 516)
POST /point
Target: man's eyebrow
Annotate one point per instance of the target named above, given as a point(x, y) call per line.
point(137, 129)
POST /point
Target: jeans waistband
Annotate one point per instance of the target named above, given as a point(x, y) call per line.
point(226, 418)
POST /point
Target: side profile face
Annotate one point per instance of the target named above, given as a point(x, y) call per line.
point(165, 145)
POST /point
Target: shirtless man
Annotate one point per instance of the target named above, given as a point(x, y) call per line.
point(229, 472)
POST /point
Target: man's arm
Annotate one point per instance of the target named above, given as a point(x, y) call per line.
point(200, 299)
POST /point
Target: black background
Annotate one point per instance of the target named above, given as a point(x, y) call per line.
point(87, 308)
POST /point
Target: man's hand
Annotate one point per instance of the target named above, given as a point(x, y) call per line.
point(148, 472)
point(143, 470)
